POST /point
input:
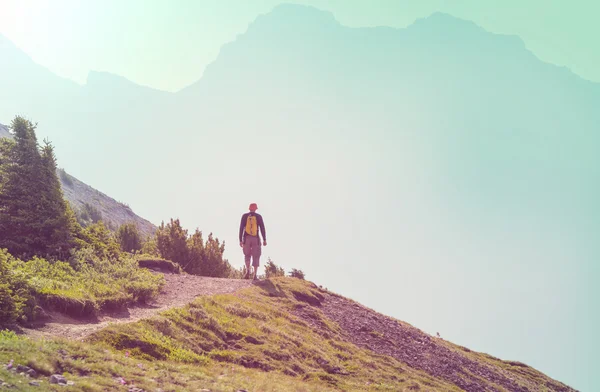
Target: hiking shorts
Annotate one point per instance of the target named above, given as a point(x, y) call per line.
point(252, 250)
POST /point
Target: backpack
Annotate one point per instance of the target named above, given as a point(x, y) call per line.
point(252, 226)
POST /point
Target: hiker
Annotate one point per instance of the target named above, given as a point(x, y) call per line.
point(250, 239)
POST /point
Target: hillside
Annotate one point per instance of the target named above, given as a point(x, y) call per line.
point(112, 212)
point(281, 334)
point(83, 197)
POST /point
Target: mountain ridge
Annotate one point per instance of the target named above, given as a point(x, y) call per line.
point(436, 20)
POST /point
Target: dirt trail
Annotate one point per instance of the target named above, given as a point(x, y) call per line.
point(178, 291)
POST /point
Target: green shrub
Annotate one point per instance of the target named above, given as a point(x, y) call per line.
point(129, 238)
point(150, 247)
point(296, 273)
point(272, 270)
point(17, 303)
point(101, 240)
point(193, 253)
point(82, 287)
point(87, 214)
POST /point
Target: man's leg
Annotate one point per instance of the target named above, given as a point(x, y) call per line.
point(256, 252)
point(247, 255)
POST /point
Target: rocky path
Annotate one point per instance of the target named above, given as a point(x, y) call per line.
point(178, 291)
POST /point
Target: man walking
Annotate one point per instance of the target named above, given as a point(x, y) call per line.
point(250, 226)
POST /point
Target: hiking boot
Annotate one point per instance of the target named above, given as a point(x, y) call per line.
point(247, 276)
point(255, 277)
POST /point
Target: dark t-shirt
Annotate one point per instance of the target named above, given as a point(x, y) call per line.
point(259, 221)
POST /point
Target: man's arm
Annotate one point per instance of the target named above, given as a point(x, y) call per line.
point(242, 226)
point(261, 225)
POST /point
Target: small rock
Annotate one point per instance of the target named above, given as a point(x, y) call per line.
point(57, 379)
point(34, 383)
point(22, 369)
point(31, 373)
point(70, 382)
point(242, 390)
point(205, 390)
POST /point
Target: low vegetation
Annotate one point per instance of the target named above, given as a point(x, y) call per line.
point(82, 287)
point(250, 340)
point(97, 368)
point(257, 328)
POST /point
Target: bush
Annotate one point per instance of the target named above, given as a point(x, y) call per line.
point(88, 214)
point(17, 303)
point(82, 287)
point(101, 240)
point(296, 273)
point(194, 254)
point(272, 270)
point(150, 247)
point(129, 238)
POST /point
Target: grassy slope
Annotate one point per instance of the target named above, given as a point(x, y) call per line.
point(249, 340)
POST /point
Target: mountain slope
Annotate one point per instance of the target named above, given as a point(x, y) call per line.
point(83, 197)
point(281, 326)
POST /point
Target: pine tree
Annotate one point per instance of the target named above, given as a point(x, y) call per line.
point(34, 217)
point(213, 263)
point(19, 228)
point(129, 238)
point(171, 241)
point(56, 223)
point(195, 264)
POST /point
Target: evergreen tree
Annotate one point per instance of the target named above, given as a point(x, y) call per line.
point(34, 218)
point(213, 263)
point(129, 238)
point(57, 224)
point(195, 262)
point(171, 240)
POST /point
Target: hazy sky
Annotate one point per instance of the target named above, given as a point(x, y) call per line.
point(167, 47)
